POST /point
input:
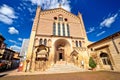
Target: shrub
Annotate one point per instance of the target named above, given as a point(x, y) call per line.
point(92, 63)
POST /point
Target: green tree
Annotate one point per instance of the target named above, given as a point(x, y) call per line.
point(92, 63)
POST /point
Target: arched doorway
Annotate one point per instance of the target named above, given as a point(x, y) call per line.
point(62, 50)
point(106, 62)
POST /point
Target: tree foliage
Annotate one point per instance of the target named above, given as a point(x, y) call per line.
point(92, 63)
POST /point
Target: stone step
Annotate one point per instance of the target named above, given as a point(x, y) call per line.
point(63, 67)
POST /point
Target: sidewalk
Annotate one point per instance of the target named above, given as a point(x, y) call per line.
point(15, 72)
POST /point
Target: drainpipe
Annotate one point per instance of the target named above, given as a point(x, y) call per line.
point(115, 45)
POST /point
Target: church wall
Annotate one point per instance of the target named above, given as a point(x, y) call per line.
point(47, 19)
point(44, 30)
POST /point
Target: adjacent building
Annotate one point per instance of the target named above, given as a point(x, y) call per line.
point(24, 49)
point(8, 58)
point(106, 52)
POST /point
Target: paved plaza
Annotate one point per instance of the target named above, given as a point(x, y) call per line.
point(96, 75)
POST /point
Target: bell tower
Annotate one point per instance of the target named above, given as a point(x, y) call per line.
point(31, 42)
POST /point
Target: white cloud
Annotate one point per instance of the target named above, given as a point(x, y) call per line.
point(50, 4)
point(108, 21)
point(15, 48)
point(12, 30)
point(5, 19)
point(99, 34)
point(91, 29)
point(12, 41)
point(20, 39)
point(7, 14)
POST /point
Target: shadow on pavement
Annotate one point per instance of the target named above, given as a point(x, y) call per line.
point(2, 75)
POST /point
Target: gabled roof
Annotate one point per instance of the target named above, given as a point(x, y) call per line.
point(55, 9)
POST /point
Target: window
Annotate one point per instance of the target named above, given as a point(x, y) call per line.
point(55, 18)
point(91, 49)
point(63, 29)
point(40, 42)
point(60, 17)
point(76, 43)
point(66, 19)
point(80, 44)
point(45, 42)
point(59, 29)
point(68, 32)
point(105, 59)
point(54, 28)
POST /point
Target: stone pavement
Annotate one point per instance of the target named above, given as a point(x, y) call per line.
point(56, 68)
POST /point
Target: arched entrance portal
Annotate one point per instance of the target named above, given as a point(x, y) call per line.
point(62, 50)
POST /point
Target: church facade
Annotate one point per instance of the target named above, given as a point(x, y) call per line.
point(57, 36)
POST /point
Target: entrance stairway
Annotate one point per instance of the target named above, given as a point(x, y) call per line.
point(63, 67)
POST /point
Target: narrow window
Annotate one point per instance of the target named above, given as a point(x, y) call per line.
point(76, 43)
point(59, 29)
point(54, 28)
point(63, 29)
point(68, 32)
point(45, 42)
point(80, 44)
point(40, 42)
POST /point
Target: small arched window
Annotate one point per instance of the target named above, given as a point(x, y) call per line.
point(76, 43)
point(45, 42)
point(60, 17)
point(40, 42)
point(80, 44)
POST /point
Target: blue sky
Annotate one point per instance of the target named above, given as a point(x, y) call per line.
point(101, 17)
